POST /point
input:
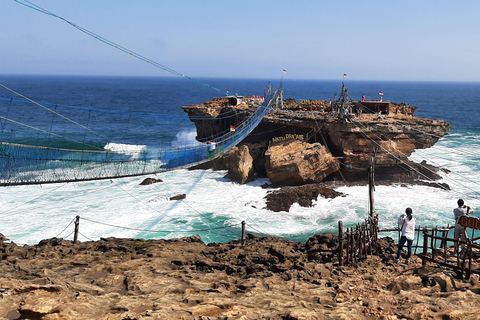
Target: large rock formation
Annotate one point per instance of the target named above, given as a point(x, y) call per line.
point(354, 137)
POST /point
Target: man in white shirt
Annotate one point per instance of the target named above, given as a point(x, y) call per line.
point(408, 233)
point(460, 231)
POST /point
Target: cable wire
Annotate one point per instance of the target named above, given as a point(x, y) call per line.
point(155, 231)
point(65, 228)
point(35, 7)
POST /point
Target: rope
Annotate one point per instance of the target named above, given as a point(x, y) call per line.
point(455, 173)
point(426, 168)
point(156, 231)
point(49, 133)
point(244, 212)
point(259, 232)
point(400, 160)
point(54, 112)
point(85, 236)
point(134, 197)
point(40, 196)
point(65, 228)
point(69, 234)
point(35, 7)
point(225, 115)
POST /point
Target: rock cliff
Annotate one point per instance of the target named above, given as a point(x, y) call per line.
point(351, 133)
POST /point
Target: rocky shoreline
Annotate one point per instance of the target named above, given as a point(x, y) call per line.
point(268, 278)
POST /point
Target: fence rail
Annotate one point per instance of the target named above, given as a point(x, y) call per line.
point(357, 243)
point(436, 249)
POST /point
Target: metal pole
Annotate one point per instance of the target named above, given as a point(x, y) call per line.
point(243, 233)
point(340, 241)
point(75, 235)
point(371, 190)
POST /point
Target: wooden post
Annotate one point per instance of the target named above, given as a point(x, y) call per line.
point(75, 234)
point(425, 247)
point(340, 242)
point(349, 246)
point(243, 233)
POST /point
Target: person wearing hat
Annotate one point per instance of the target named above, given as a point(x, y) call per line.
point(460, 231)
point(408, 233)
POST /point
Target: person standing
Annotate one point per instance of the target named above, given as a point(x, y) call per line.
point(211, 149)
point(408, 233)
point(460, 231)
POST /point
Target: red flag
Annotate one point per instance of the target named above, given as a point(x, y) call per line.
point(233, 128)
point(284, 71)
point(344, 74)
point(381, 93)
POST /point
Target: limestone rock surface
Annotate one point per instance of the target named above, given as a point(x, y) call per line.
point(294, 162)
point(268, 278)
point(239, 163)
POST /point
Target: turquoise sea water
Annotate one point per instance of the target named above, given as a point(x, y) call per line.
point(214, 206)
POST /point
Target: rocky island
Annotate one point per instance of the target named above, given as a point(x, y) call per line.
point(312, 141)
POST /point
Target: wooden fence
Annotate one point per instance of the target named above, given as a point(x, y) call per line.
point(357, 242)
point(438, 248)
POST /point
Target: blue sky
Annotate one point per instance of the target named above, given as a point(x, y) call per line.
point(369, 40)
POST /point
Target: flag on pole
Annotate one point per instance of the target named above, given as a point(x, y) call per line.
point(344, 74)
point(284, 71)
point(233, 128)
point(380, 93)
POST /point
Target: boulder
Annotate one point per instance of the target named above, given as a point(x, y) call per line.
point(178, 197)
point(148, 181)
point(294, 162)
point(282, 199)
point(239, 163)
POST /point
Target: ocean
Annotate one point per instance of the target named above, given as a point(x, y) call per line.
point(215, 207)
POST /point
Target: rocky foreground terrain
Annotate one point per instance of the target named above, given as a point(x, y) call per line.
point(268, 278)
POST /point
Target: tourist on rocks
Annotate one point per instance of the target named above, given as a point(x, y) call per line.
point(460, 231)
point(408, 233)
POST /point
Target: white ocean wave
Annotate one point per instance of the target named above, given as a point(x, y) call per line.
point(184, 138)
point(133, 150)
point(32, 213)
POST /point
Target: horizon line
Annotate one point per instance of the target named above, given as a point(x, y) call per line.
point(225, 78)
